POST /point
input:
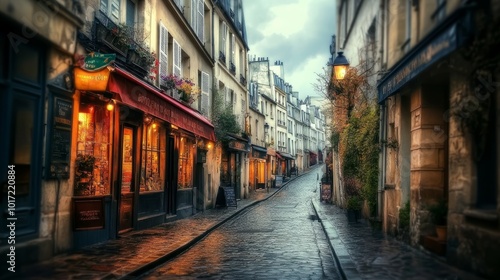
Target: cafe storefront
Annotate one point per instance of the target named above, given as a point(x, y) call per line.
point(232, 166)
point(257, 169)
point(135, 155)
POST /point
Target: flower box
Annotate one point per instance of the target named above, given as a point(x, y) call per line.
point(111, 40)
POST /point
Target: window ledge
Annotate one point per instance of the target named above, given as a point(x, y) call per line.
point(485, 215)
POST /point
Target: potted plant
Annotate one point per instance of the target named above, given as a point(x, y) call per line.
point(354, 198)
point(84, 168)
point(186, 90)
point(439, 215)
point(353, 208)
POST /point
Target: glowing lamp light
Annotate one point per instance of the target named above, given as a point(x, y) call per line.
point(209, 145)
point(340, 66)
point(110, 106)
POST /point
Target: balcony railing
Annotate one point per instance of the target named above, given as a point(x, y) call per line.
point(109, 37)
point(222, 57)
point(243, 81)
point(232, 68)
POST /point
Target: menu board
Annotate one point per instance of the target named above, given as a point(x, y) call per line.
point(60, 138)
point(279, 181)
point(226, 197)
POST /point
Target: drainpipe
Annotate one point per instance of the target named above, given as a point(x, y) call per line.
point(382, 122)
point(382, 162)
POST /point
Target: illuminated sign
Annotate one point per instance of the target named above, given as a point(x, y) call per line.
point(96, 81)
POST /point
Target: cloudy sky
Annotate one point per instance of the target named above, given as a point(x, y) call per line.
point(296, 32)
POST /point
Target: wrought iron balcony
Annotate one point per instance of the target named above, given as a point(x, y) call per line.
point(232, 68)
point(222, 57)
point(243, 81)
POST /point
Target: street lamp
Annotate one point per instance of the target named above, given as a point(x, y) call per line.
point(266, 132)
point(340, 66)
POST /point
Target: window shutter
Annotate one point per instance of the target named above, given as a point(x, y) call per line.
point(232, 48)
point(163, 47)
point(177, 70)
point(201, 21)
point(205, 95)
point(115, 10)
point(223, 38)
point(104, 6)
point(193, 10)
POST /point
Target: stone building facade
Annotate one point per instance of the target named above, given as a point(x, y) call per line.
point(439, 116)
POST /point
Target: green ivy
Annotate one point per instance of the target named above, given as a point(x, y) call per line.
point(224, 120)
point(362, 151)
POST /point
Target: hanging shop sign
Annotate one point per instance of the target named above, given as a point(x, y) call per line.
point(93, 73)
point(95, 81)
point(97, 61)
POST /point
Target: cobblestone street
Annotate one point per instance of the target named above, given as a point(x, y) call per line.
point(278, 239)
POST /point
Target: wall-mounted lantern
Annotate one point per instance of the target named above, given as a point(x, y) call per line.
point(340, 66)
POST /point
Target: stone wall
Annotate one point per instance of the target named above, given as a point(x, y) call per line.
point(473, 234)
point(428, 181)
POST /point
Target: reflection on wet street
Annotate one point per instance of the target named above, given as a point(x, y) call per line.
point(278, 239)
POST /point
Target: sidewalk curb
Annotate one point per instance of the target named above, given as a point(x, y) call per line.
point(346, 265)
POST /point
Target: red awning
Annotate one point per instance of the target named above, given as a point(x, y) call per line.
point(313, 153)
point(279, 156)
point(139, 94)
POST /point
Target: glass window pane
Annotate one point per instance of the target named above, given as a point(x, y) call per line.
point(185, 174)
point(22, 141)
point(92, 174)
point(154, 159)
point(26, 61)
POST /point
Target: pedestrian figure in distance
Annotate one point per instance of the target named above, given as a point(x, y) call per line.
point(317, 176)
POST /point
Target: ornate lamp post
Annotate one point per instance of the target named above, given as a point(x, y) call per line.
point(340, 66)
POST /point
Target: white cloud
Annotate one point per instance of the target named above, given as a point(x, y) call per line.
point(298, 33)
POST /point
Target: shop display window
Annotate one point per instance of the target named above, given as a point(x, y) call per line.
point(186, 153)
point(92, 164)
point(153, 158)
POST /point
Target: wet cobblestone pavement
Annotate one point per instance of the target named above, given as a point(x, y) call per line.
point(280, 238)
point(364, 253)
point(360, 252)
point(136, 250)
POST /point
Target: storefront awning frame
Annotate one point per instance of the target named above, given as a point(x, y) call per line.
point(136, 93)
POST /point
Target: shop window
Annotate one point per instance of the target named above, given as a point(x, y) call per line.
point(92, 165)
point(185, 176)
point(153, 158)
point(26, 60)
point(22, 143)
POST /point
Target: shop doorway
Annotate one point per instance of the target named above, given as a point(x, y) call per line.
point(171, 183)
point(126, 186)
